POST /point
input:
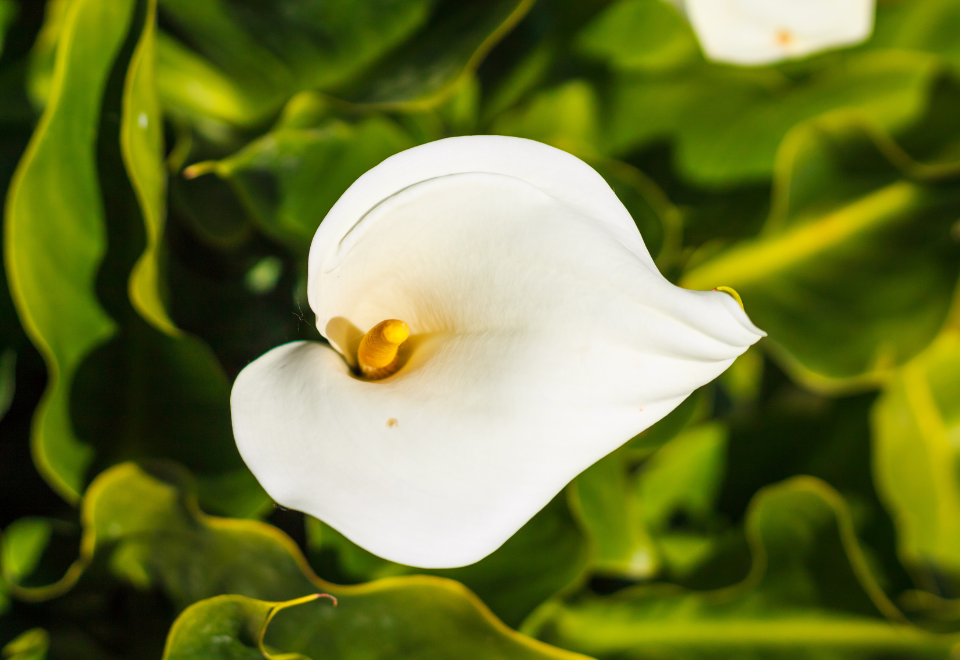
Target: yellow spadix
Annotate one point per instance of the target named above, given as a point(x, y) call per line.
point(377, 353)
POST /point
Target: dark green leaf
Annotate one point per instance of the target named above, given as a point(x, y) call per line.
point(429, 67)
point(8, 12)
point(277, 175)
point(8, 379)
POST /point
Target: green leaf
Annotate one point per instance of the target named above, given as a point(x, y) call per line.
point(8, 13)
point(708, 109)
point(565, 117)
point(408, 55)
point(609, 511)
point(809, 594)
point(431, 65)
point(192, 88)
point(568, 117)
point(916, 424)
point(545, 557)
point(930, 26)
point(30, 645)
point(694, 408)
point(842, 213)
point(226, 627)
point(145, 394)
point(658, 220)
point(154, 534)
point(640, 35)
point(55, 237)
point(261, 54)
point(44, 52)
point(23, 542)
point(685, 474)
point(276, 176)
point(141, 142)
point(683, 479)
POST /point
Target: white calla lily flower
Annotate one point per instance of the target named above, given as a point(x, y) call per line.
point(755, 32)
point(541, 337)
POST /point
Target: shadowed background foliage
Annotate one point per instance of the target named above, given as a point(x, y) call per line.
point(165, 165)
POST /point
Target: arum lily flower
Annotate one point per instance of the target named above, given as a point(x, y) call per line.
point(753, 32)
point(496, 325)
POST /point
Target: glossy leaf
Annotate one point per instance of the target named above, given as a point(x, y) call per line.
point(842, 213)
point(54, 235)
point(809, 594)
point(261, 54)
point(226, 627)
point(141, 142)
point(916, 424)
point(155, 535)
point(886, 87)
point(401, 55)
point(276, 176)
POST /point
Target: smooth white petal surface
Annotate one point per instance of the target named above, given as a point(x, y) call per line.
point(542, 338)
point(756, 32)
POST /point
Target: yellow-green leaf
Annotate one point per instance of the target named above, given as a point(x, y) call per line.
point(55, 236)
point(916, 428)
point(29, 645)
point(810, 594)
point(819, 278)
point(152, 533)
point(141, 142)
point(227, 627)
point(609, 511)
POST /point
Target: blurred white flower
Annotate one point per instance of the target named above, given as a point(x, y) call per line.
point(754, 32)
point(541, 337)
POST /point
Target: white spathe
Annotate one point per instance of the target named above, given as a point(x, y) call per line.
point(543, 337)
point(755, 32)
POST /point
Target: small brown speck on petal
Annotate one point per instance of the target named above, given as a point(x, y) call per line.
point(392, 422)
point(783, 37)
